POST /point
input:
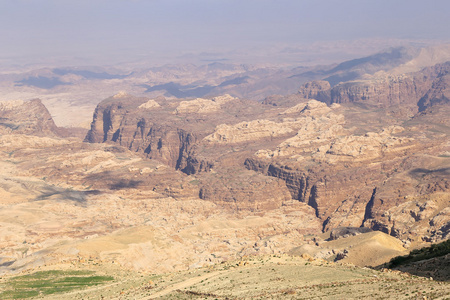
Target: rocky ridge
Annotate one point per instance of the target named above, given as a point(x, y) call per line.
point(74, 201)
point(408, 92)
point(167, 184)
point(26, 117)
point(337, 158)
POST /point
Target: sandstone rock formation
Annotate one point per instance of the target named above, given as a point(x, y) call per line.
point(149, 104)
point(343, 232)
point(250, 131)
point(368, 166)
point(315, 90)
point(387, 90)
point(337, 159)
point(168, 184)
point(75, 201)
point(202, 106)
point(26, 117)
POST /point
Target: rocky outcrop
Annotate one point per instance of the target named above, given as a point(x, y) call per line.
point(133, 123)
point(350, 163)
point(385, 91)
point(26, 117)
point(344, 232)
point(334, 198)
point(352, 179)
point(202, 106)
point(439, 92)
point(170, 131)
point(413, 92)
point(251, 131)
point(306, 117)
point(319, 90)
point(246, 191)
point(299, 184)
point(419, 206)
point(150, 104)
point(323, 136)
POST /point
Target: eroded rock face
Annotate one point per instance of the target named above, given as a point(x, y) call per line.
point(412, 92)
point(26, 117)
point(202, 106)
point(244, 191)
point(419, 207)
point(387, 91)
point(76, 201)
point(350, 163)
point(354, 180)
point(319, 90)
point(343, 232)
point(317, 126)
point(251, 131)
point(439, 92)
point(176, 137)
point(130, 122)
point(309, 119)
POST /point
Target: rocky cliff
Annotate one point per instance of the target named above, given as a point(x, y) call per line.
point(26, 117)
point(350, 162)
point(396, 181)
point(413, 91)
point(144, 126)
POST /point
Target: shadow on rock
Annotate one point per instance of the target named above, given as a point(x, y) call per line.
point(56, 193)
point(125, 184)
point(437, 172)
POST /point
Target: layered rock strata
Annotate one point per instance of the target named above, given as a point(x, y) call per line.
point(337, 159)
point(26, 117)
point(414, 91)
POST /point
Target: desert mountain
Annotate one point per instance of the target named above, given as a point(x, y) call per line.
point(63, 88)
point(407, 92)
point(26, 117)
point(355, 163)
point(354, 171)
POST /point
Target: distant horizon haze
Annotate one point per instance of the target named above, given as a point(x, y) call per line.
point(283, 31)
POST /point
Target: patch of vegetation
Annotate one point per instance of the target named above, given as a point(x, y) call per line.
point(435, 250)
point(50, 282)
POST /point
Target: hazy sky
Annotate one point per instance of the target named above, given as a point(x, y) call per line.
point(125, 29)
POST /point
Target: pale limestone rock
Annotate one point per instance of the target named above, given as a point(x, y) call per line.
point(27, 141)
point(408, 218)
point(335, 105)
point(78, 159)
point(426, 210)
point(313, 115)
point(369, 146)
point(314, 133)
point(121, 94)
point(8, 105)
point(322, 134)
point(249, 131)
point(310, 108)
point(149, 104)
point(202, 106)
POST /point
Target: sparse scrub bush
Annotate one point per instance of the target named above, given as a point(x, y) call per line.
point(50, 282)
point(435, 250)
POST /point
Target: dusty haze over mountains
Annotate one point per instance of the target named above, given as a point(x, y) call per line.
point(224, 149)
point(252, 31)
